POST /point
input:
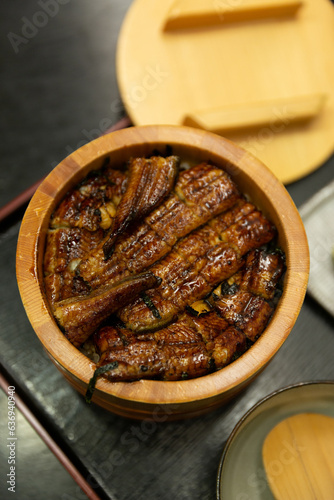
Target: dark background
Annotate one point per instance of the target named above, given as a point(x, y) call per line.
point(58, 85)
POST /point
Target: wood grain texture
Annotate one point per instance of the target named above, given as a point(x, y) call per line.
point(256, 115)
point(184, 398)
point(298, 458)
point(166, 77)
point(185, 14)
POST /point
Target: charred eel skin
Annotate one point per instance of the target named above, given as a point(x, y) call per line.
point(189, 348)
point(150, 181)
point(147, 256)
point(77, 226)
point(80, 316)
point(194, 345)
point(107, 200)
point(200, 193)
point(195, 266)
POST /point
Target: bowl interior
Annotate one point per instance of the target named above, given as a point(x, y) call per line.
point(253, 179)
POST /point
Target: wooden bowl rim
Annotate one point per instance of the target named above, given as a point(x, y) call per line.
point(75, 364)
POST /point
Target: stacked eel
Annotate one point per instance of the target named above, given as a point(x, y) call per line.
point(186, 284)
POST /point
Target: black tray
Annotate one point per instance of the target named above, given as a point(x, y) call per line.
point(127, 459)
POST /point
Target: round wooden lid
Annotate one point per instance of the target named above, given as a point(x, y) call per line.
point(259, 73)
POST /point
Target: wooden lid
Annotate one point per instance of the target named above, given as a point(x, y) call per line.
point(258, 72)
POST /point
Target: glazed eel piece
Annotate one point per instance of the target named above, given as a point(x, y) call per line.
point(247, 300)
point(108, 200)
point(180, 351)
point(80, 316)
point(77, 225)
point(64, 250)
point(200, 193)
point(150, 181)
point(93, 203)
point(197, 264)
point(198, 344)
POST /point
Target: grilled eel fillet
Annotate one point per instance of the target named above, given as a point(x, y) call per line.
point(200, 193)
point(77, 226)
point(93, 203)
point(81, 316)
point(65, 248)
point(196, 265)
point(238, 312)
point(168, 358)
point(150, 181)
point(107, 201)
